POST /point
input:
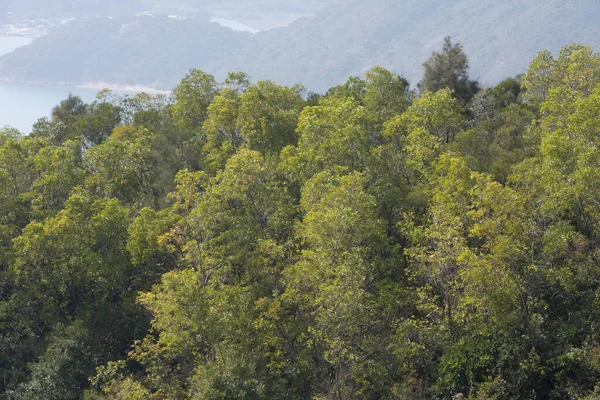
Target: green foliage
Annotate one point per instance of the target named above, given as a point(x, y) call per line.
point(61, 373)
point(268, 116)
point(504, 125)
point(332, 133)
point(386, 94)
point(223, 133)
point(334, 280)
point(575, 67)
point(449, 69)
point(354, 88)
point(245, 243)
point(192, 96)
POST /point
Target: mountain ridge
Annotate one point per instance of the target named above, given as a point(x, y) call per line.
point(342, 39)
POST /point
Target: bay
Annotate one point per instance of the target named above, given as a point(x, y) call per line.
point(21, 104)
point(233, 24)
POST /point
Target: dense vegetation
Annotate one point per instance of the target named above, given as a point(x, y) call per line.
point(343, 38)
point(250, 241)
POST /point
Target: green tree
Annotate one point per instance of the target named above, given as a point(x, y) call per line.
point(268, 116)
point(98, 122)
point(223, 132)
point(354, 88)
point(239, 82)
point(192, 97)
point(62, 372)
point(449, 69)
point(64, 118)
point(334, 133)
point(230, 245)
point(386, 94)
point(59, 169)
point(576, 67)
point(334, 281)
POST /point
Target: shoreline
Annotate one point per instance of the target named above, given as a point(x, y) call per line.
point(9, 35)
point(121, 88)
point(90, 85)
point(11, 31)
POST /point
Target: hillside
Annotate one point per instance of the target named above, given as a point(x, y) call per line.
point(15, 10)
point(154, 51)
point(349, 37)
point(343, 38)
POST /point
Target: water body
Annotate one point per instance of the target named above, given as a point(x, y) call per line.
point(8, 44)
point(21, 105)
point(234, 25)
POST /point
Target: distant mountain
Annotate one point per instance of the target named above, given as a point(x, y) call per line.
point(15, 10)
point(350, 36)
point(154, 51)
point(343, 38)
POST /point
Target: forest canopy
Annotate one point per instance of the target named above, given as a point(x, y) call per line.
point(245, 240)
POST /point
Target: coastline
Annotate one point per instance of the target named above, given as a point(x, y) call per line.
point(27, 32)
point(90, 85)
point(121, 88)
point(117, 87)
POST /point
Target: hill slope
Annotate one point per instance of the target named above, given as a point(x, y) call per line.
point(345, 38)
point(154, 51)
point(499, 37)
